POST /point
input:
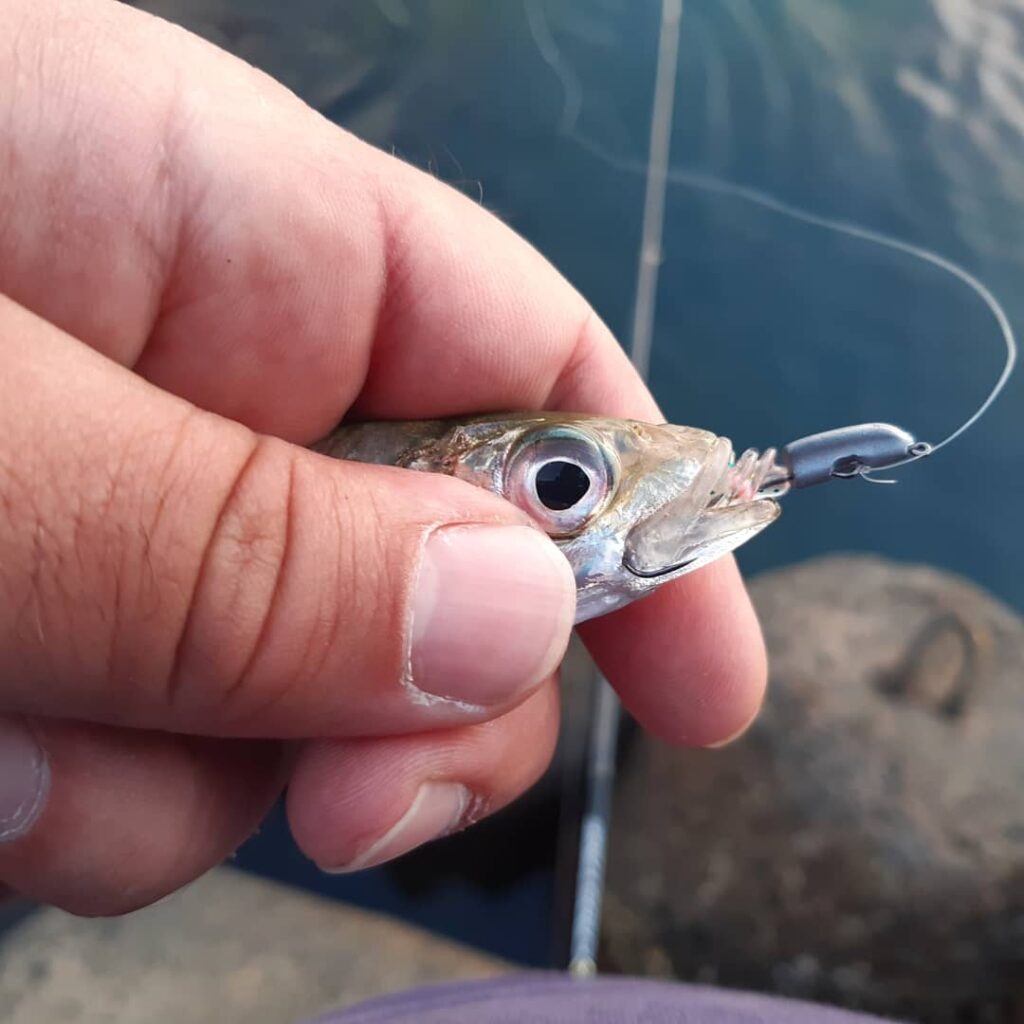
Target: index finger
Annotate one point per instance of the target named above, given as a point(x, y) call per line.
point(262, 263)
point(256, 259)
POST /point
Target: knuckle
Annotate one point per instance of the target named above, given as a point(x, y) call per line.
point(300, 595)
point(331, 604)
point(238, 580)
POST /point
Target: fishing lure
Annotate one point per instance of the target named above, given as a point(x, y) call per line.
point(631, 505)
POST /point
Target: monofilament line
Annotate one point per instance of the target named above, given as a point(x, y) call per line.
point(709, 183)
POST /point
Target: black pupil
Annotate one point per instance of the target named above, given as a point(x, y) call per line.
point(561, 484)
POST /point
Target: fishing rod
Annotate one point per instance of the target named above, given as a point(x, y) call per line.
point(606, 711)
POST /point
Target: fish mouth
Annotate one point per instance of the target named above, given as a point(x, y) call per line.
point(728, 502)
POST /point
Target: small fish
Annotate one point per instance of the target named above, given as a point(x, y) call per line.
point(631, 505)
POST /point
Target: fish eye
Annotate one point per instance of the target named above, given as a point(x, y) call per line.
point(561, 477)
point(561, 484)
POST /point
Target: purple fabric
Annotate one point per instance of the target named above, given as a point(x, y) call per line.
point(557, 999)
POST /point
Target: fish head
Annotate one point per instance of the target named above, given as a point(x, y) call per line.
point(631, 505)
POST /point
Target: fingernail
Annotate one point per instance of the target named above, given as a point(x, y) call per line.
point(24, 779)
point(729, 740)
point(492, 613)
point(437, 810)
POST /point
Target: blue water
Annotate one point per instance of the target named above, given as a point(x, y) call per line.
point(906, 117)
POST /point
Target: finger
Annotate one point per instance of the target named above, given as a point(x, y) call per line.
point(360, 281)
point(685, 677)
point(107, 820)
point(164, 568)
point(304, 267)
point(354, 804)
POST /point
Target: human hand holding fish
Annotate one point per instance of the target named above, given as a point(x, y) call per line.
point(198, 610)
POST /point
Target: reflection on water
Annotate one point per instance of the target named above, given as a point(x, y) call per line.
point(904, 117)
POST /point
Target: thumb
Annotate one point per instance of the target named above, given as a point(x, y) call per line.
point(161, 567)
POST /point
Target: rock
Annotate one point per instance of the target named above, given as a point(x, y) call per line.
point(230, 948)
point(864, 843)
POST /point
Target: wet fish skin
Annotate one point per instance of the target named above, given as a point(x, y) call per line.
point(658, 501)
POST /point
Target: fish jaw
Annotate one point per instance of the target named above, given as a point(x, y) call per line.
point(693, 506)
point(719, 508)
point(606, 579)
point(653, 548)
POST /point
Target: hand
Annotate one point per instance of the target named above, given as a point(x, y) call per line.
point(200, 275)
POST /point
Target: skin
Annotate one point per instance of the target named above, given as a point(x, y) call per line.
point(199, 275)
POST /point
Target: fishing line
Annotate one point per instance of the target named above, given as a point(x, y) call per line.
point(701, 181)
point(572, 90)
point(758, 197)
